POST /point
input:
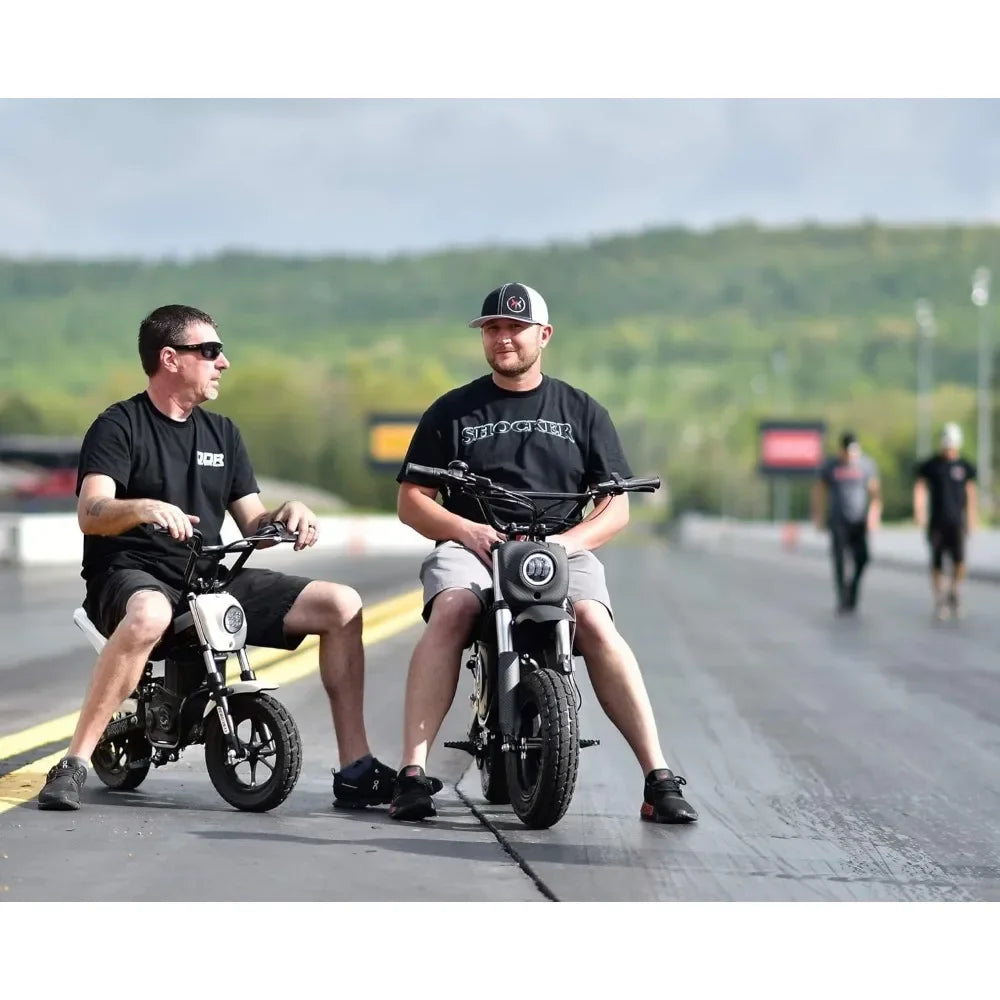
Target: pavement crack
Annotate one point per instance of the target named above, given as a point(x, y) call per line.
point(508, 847)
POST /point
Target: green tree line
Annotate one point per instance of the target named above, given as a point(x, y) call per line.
point(689, 338)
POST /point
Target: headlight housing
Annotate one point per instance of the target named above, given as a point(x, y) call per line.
point(232, 620)
point(537, 569)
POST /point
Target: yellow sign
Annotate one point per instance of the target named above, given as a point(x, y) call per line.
point(388, 439)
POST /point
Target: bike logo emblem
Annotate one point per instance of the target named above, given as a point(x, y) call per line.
point(516, 304)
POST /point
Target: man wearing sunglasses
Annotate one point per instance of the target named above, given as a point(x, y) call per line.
point(159, 461)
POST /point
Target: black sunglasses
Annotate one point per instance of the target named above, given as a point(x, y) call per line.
point(210, 350)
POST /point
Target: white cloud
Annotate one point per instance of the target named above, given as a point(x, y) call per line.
point(191, 177)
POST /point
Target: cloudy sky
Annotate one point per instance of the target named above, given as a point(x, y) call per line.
point(190, 177)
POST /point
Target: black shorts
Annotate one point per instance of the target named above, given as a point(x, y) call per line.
point(266, 596)
point(946, 539)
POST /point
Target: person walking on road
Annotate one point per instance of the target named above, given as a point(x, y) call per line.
point(846, 499)
point(948, 482)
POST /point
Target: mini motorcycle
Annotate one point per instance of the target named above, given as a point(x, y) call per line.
point(524, 730)
point(253, 750)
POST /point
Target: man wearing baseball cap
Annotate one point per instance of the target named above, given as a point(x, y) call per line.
point(534, 433)
point(948, 481)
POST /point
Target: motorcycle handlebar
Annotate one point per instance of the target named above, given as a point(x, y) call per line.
point(637, 484)
point(275, 531)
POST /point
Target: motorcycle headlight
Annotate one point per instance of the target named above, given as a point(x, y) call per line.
point(233, 619)
point(537, 569)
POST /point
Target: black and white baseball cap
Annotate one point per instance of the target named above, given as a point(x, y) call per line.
point(513, 301)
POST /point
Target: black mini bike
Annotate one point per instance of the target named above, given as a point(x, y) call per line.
point(253, 750)
point(524, 731)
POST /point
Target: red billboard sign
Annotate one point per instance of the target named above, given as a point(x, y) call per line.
point(790, 447)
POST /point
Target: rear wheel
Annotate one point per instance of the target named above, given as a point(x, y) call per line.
point(272, 750)
point(122, 762)
point(492, 769)
point(493, 772)
point(541, 771)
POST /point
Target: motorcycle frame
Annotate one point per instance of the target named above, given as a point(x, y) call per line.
point(508, 658)
point(196, 619)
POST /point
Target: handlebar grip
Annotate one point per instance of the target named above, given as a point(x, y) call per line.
point(637, 484)
point(159, 529)
point(427, 471)
point(278, 529)
point(649, 484)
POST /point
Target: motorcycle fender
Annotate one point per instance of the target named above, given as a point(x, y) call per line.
point(241, 687)
point(543, 613)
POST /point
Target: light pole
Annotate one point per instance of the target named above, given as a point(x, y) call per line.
point(782, 487)
point(984, 433)
point(925, 334)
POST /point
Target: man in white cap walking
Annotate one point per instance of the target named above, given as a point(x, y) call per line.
point(947, 481)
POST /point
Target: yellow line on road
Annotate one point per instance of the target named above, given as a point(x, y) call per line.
point(382, 621)
point(26, 782)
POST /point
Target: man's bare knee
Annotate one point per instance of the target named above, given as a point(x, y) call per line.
point(593, 624)
point(147, 617)
point(454, 612)
point(324, 607)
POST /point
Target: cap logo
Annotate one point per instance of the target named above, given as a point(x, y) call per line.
point(516, 304)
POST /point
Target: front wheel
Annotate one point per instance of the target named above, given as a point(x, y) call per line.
point(272, 748)
point(541, 771)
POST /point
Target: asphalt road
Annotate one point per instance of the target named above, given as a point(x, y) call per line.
point(830, 759)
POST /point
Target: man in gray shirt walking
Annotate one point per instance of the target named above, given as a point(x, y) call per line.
point(847, 492)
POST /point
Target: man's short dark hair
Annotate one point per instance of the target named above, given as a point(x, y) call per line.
point(847, 439)
point(164, 327)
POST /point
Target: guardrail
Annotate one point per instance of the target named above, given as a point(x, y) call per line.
point(894, 544)
point(56, 540)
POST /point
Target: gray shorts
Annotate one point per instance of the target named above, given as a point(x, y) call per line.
point(451, 565)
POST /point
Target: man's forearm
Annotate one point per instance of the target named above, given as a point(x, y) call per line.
point(428, 518)
point(600, 526)
point(108, 516)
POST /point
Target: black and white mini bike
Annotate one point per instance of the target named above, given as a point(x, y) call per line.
point(524, 729)
point(253, 750)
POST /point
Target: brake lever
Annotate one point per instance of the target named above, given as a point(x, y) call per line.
point(278, 531)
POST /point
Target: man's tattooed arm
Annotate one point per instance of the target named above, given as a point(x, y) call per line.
point(97, 506)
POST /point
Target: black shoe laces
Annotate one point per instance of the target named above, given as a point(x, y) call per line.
point(670, 786)
point(77, 771)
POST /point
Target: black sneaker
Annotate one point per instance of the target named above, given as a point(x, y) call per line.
point(63, 784)
point(414, 789)
point(663, 801)
point(372, 788)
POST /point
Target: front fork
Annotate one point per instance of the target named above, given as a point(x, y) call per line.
point(508, 658)
point(508, 672)
point(219, 691)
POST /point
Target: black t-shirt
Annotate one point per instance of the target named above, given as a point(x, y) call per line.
point(946, 479)
point(553, 438)
point(200, 464)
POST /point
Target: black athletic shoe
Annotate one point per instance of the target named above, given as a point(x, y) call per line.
point(414, 789)
point(63, 784)
point(373, 788)
point(663, 801)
